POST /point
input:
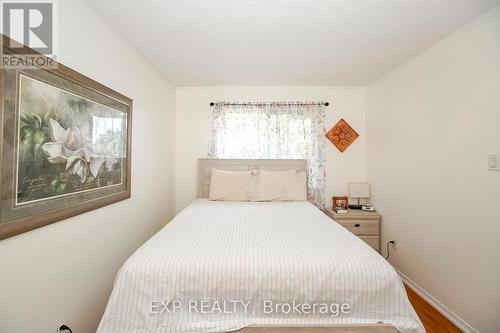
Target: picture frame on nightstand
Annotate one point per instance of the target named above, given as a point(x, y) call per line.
point(340, 202)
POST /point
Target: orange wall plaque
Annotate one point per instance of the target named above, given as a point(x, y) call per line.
point(342, 135)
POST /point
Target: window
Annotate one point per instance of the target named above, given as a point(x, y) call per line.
point(272, 130)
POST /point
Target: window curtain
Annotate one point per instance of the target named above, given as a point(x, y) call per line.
point(273, 131)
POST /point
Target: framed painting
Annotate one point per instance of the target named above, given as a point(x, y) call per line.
point(65, 146)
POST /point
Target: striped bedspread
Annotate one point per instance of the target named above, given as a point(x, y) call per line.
point(221, 266)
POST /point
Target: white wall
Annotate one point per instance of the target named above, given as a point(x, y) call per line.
point(193, 117)
point(65, 271)
point(430, 125)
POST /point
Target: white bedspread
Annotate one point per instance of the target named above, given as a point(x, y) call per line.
point(216, 254)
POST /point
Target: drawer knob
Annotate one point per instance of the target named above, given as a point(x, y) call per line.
point(357, 225)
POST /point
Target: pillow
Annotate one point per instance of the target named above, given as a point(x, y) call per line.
point(270, 185)
point(229, 185)
point(297, 187)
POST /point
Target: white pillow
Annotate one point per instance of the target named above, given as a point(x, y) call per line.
point(229, 185)
point(297, 187)
point(270, 185)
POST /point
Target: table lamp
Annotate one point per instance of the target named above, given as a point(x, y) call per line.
point(358, 190)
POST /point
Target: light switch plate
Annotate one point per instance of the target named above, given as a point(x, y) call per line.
point(493, 160)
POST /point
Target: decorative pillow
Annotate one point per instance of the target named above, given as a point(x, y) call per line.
point(270, 185)
point(229, 185)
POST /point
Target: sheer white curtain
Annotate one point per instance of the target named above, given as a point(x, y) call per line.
point(273, 130)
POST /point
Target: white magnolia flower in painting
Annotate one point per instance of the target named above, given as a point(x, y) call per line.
point(73, 147)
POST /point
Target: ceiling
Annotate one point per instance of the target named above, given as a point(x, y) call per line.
point(283, 42)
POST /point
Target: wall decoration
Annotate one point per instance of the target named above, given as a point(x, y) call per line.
point(65, 146)
point(342, 135)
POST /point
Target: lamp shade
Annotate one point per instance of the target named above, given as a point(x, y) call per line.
point(359, 190)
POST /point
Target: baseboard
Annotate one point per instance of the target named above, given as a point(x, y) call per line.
point(456, 320)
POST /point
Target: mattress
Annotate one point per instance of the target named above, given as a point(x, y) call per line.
point(222, 266)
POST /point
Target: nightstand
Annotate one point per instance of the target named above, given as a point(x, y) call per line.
point(365, 225)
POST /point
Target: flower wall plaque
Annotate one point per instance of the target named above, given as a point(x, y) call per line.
point(342, 135)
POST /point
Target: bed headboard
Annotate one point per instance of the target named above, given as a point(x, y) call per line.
point(205, 166)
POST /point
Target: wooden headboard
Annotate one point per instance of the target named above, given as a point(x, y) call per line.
point(205, 166)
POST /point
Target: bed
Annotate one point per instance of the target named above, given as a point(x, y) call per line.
point(250, 264)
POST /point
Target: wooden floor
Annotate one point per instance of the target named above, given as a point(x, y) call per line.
point(434, 322)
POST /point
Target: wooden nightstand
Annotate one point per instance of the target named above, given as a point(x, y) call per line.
point(365, 225)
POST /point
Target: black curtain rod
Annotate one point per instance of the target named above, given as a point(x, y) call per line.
point(325, 103)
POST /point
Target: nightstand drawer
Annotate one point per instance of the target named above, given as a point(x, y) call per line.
point(373, 241)
point(360, 227)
